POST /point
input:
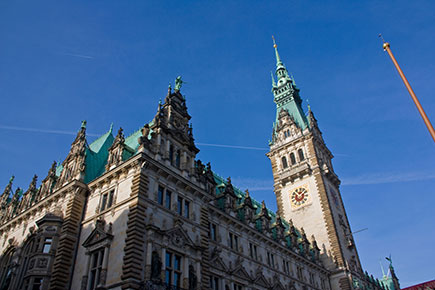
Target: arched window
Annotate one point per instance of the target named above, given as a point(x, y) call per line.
point(301, 155)
point(292, 158)
point(28, 249)
point(284, 162)
point(6, 268)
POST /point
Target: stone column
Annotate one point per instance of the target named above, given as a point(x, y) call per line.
point(185, 275)
point(222, 284)
point(163, 263)
point(184, 165)
point(148, 260)
point(103, 274)
point(85, 285)
point(198, 275)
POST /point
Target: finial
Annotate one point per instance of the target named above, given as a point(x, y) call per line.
point(308, 104)
point(11, 179)
point(246, 193)
point(83, 124)
point(263, 204)
point(385, 44)
point(169, 91)
point(111, 127)
point(278, 59)
point(273, 79)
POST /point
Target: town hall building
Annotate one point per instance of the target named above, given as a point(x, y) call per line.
point(142, 212)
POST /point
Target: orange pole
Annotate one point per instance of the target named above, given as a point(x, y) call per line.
point(386, 47)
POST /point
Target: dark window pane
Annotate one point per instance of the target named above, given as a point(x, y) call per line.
point(292, 158)
point(168, 279)
point(301, 155)
point(180, 206)
point(168, 259)
point(168, 199)
point(284, 162)
point(177, 279)
point(110, 201)
point(103, 202)
point(160, 195)
point(186, 209)
point(177, 262)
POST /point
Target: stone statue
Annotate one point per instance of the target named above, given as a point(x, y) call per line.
point(192, 278)
point(156, 266)
point(178, 83)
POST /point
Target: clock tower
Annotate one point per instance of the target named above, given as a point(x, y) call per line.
point(305, 184)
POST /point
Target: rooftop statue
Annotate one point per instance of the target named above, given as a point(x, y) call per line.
point(178, 83)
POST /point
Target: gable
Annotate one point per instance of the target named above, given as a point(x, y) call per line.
point(179, 238)
point(98, 235)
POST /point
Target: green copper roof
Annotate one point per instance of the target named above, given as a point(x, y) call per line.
point(286, 95)
point(131, 141)
point(96, 156)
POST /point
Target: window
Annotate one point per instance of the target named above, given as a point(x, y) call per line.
point(284, 162)
point(234, 241)
point(95, 268)
point(301, 155)
point(47, 245)
point(37, 283)
point(237, 287)
point(180, 205)
point(286, 266)
point(253, 251)
point(270, 259)
point(299, 272)
point(168, 199)
point(171, 154)
point(311, 278)
point(214, 283)
point(292, 158)
point(186, 209)
point(160, 195)
point(213, 232)
point(183, 207)
point(173, 269)
point(106, 200)
point(177, 158)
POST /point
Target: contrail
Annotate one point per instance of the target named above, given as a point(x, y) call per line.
point(232, 146)
point(35, 130)
point(43, 130)
point(77, 55)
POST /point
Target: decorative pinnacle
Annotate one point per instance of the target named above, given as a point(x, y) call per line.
point(278, 59)
point(84, 124)
point(273, 79)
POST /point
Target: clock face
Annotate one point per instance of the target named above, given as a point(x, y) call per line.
point(299, 196)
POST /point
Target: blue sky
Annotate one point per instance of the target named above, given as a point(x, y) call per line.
point(111, 61)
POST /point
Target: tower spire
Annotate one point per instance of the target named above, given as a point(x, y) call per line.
point(278, 59)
